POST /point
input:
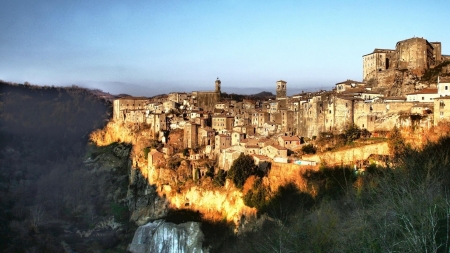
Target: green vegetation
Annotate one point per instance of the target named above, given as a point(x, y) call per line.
point(257, 196)
point(353, 132)
point(174, 162)
point(241, 169)
point(146, 150)
point(219, 178)
point(396, 143)
point(403, 208)
point(309, 149)
point(45, 186)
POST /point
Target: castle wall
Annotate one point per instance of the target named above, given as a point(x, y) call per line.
point(437, 49)
point(415, 54)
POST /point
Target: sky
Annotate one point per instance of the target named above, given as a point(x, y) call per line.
point(151, 47)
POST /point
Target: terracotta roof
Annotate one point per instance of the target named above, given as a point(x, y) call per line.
point(279, 147)
point(349, 81)
point(379, 50)
point(290, 138)
point(394, 98)
point(262, 157)
point(444, 79)
point(425, 91)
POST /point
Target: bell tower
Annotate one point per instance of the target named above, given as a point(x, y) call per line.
point(218, 85)
point(281, 89)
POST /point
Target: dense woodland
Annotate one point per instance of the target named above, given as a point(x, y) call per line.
point(47, 192)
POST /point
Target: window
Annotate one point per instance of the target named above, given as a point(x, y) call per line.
point(446, 87)
point(423, 98)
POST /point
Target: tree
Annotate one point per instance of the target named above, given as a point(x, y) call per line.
point(241, 169)
point(352, 133)
point(396, 143)
point(219, 179)
point(256, 197)
point(309, 149)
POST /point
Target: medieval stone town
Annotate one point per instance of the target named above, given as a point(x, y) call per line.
point(397, 89)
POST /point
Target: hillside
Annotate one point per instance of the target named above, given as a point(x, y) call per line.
point(49, 196)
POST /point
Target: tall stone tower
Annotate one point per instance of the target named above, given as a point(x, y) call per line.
point(218, 85)
point(281, 90)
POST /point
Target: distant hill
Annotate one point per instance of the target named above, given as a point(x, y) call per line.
point(264, 95)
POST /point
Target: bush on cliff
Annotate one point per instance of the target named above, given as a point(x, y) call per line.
point(309, 149)
point(241, 169)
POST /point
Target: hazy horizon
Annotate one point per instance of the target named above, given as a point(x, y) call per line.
point(148, 48)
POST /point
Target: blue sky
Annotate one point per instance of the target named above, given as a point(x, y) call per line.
point(153, 47)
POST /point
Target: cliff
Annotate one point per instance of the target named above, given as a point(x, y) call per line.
point(170, 188)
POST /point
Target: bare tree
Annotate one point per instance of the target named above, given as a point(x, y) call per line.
point(37, 215)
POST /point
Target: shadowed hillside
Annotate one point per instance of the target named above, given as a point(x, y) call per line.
point(49, 196)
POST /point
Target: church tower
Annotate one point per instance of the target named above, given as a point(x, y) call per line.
point(218, 85)
point(281, 90)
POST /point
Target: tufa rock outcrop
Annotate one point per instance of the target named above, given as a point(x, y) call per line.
point(166, 237)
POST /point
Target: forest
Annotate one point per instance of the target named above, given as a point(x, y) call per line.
point(47, 192)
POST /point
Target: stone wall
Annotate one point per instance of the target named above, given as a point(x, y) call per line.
point(207, 99)
point(350, 156)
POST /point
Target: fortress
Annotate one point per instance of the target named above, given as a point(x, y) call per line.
point(384, 67)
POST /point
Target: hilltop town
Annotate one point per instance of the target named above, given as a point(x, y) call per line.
point(405, 86)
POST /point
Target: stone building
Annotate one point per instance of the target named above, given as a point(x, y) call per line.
point(281, 93)
point(441, 110)
point(206, 136)
point(222, 141)
point(377, 61)
point(443, 86)
point(422, 96)
point(289, 142)
point(416, 54)
point(348, 84)
point(207, 99)
point(259, 118)
point(383, 67)
point(122, 106)
point(222, 122)
point(190, 137)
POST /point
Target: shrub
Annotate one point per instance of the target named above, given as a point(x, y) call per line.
point(219, 178)
point(309, 149)
point(256, 197)
point(241, 169)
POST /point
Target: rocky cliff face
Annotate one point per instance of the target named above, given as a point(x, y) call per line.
point(153, 191)
point(166, 237)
